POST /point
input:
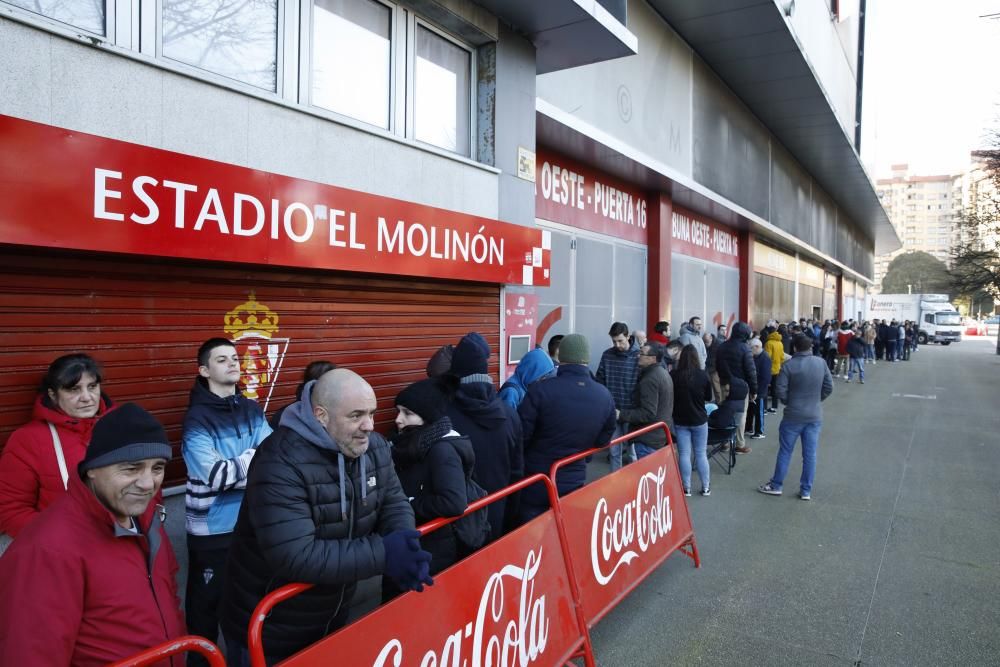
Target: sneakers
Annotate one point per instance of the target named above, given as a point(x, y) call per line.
point(848, 380)
point(845, 377)
point(706, 492)
point(687, 493)
point(804, 495)
point(769, 490)
point(862, 382)
point(757, 436)
point(771, 411)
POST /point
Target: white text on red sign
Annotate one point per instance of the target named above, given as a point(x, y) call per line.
point(566, 187)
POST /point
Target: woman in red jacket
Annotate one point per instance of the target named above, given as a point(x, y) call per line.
point(38, 457)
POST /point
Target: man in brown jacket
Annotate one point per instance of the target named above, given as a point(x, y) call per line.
point(654, 400)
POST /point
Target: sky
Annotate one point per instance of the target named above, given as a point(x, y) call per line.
point(931, 83)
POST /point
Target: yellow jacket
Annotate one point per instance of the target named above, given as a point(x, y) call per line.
point(776, 350)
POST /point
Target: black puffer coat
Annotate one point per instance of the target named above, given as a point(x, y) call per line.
point(495, 431)
point(300, 522)
point(734, 358)
point(432, 471)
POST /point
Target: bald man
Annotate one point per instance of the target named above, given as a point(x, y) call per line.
point(323, 506)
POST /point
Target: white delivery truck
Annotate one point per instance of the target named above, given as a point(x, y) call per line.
point(938, 320)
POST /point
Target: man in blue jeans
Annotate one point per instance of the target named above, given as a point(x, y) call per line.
point(803, 383)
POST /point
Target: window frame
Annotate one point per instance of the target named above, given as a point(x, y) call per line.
point(414, 23)
point(111, 10)
point(154, 23)
point(305, 53)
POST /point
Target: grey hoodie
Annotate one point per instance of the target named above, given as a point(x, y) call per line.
point(803, 383)
point(299, 417)
point(689, 336)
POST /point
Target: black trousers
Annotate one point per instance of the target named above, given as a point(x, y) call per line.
point(206, 568)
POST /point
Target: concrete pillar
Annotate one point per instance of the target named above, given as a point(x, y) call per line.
point(660, 208)
point(746, 240)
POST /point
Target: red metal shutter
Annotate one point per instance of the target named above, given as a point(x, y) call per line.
point(144, 320)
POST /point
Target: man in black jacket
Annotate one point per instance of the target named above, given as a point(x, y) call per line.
point(562, 416)
point(323, 506)
point(734, 359)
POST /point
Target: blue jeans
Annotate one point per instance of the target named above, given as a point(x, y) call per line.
point(697, 437)
point(870, 352)
point(788, 433)
point(616, 450)
point(643, 450)
point(859, 364)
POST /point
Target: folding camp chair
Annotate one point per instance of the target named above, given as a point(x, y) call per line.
point(722, 447)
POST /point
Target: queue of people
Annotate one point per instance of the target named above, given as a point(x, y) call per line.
point(317, 496)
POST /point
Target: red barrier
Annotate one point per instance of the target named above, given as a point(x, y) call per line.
point(623, 526)
point(513, 602)
point(192, 643)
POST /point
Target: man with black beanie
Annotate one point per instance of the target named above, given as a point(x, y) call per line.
point(492, 425)
point(91, 580)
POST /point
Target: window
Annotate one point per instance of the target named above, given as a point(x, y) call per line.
point(442, 83)
point(84, 14)
point(235, 38)
point(351, 59)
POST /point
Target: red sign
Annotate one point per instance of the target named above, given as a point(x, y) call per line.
point(619, 528)
point(509, 604)
point(520, 318)
point(66, 189)
point(697, 236)
point(576, 195)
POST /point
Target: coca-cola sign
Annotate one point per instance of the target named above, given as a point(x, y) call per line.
point(627, 523)
point(509, 606)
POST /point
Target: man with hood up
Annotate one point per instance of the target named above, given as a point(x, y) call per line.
point(533, 367)
point(734, 359)
point(222, 429)
point(323, 506)
point(493, 426)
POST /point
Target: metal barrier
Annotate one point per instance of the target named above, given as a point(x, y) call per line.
point(627, 523)
point(510, 601)
point(185, 644)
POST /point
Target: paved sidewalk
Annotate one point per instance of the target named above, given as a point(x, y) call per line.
point(895, 561)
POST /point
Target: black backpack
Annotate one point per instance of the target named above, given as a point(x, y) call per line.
point(472, 530)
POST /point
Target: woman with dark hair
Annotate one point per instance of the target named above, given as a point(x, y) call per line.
point(432, 461)
point(692, 389)
point(40, 456)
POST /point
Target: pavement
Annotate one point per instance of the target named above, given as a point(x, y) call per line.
point(895, 561)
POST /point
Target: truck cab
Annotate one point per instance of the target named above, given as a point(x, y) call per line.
point(939, 322)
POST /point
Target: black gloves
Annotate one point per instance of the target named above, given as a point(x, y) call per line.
point(405, 561)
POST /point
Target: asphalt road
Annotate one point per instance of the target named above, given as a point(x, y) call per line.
point(895, 561)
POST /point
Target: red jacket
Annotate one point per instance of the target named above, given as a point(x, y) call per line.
point(76, 591)
point(843, 336)
point(29, 473)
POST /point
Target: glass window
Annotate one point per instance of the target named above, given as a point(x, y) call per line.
point(351, 59)
point(442, 84)
point(235, 38)
point(85, 14)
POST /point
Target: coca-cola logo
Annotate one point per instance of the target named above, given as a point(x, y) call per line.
point(618, 537)
point(488, 641)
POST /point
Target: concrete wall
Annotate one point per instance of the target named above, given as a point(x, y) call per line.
point(831, 48)
point(95, 89)
point(678, 114)
point(643, 101)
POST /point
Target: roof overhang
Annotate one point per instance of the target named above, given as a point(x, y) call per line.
point(566, 33)
point(752, 48)
point(567, 134)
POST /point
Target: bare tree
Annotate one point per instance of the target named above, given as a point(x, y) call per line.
point(975, 254)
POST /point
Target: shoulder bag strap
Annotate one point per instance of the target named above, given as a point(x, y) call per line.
point(57, 445)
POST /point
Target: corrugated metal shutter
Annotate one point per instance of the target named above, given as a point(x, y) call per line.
point(144, 320)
